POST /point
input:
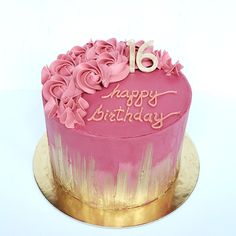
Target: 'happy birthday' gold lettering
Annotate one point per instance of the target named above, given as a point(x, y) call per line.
point(135, 97)
point(123, 115)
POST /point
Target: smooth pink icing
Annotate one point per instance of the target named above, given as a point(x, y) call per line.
point(155, 81)
point(110, 151)
point(120, 137)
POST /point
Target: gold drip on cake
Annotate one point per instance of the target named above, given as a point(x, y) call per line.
point(174, 196)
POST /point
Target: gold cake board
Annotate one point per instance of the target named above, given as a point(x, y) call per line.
point(62, 200)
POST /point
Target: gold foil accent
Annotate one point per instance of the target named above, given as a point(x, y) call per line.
point(116, 192)
point(171, 200)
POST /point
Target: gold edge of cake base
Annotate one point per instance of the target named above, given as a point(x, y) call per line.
point(175, 196)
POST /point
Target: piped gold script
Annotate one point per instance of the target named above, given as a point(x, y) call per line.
point(136, 99)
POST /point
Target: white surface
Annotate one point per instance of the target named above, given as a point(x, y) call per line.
point(202, 34)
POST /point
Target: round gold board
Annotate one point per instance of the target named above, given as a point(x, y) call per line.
point(62, 200)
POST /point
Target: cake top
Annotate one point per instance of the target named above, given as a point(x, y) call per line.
point(111, 88)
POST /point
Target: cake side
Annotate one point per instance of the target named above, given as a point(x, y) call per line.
point(115, 173)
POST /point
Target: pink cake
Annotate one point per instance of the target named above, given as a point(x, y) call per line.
point(115, 115)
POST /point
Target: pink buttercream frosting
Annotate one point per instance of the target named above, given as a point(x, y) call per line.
point(86, 70)
point(165, 63)
point(117, 65)
point(72, 110)
point(90, 76)
point(64, 65)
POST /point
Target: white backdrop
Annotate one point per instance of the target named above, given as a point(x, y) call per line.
point(199, 33)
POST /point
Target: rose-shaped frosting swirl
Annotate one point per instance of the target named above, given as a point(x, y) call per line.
point(54, 90)
point(64, 65)
point(51, 107)
point(164, 60)
point(117, 63)
point(45, 74)
point(78, 54)
point(58, 87)
point(175, 69)
point(110, 45)
point(90, 75)
point(165, 63)
point(54, 87)
point(83, 54)
point(72, 110)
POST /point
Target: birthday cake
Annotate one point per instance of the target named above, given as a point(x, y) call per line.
point(115, 113)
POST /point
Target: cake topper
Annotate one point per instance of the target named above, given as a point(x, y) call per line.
point(140, 56)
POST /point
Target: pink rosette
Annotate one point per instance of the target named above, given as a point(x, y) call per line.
point(165, 63)
point(83, 54)
point(45, 74)
point(175, 69)
point(90, 53)
point(55, 89)
point(72, 110)
point(109, 46)
point(51, 107)
point(117, 63)
point(78, 54)
point(64, 65)
point(164, 60)
point(90, 75)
